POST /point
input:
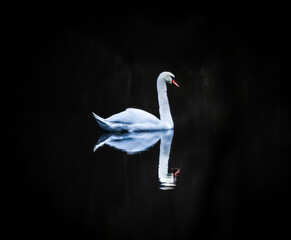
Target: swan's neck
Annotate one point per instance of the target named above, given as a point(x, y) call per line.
point(164, 108)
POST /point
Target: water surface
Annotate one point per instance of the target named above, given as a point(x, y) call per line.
point(230, 142)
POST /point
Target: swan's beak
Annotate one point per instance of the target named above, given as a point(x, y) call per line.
point(175, 83)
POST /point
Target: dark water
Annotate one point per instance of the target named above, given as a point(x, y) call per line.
point(231, 140)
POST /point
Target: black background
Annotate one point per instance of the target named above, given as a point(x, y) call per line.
point(66, 60)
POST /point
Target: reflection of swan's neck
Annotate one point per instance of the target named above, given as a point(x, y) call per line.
point(167, 180)
point(164, 108)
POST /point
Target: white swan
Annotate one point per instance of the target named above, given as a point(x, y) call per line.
point(133, 119)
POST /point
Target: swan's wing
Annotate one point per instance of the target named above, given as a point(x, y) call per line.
point(133, 116)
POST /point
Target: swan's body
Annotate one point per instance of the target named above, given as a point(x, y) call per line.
point(133, 119)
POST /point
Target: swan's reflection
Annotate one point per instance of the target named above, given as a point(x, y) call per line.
point(137, 142)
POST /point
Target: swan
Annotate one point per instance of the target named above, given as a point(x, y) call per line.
point(133, 119)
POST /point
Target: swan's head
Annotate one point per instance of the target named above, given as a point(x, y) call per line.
point(168, 77)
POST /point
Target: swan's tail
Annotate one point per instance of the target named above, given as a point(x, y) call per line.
point(105, 125)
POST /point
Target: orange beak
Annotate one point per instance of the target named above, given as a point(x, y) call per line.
point(175, 83)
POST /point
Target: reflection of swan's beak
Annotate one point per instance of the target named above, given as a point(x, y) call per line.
point(168, 179)
point(176, 172)
point(174, 82)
